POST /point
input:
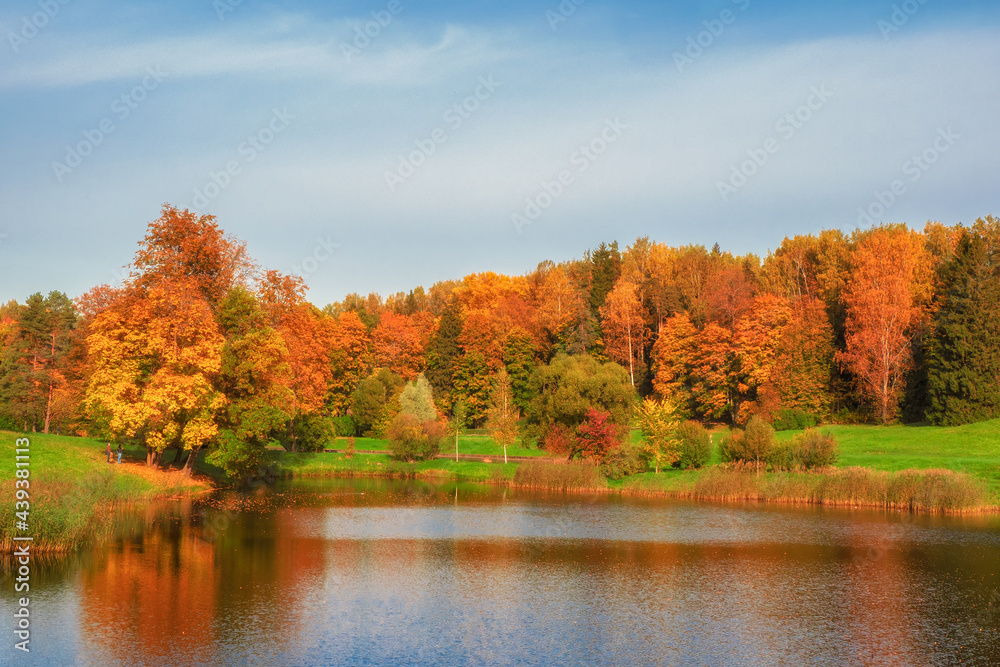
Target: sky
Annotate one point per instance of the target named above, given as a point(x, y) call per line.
point(378, 146)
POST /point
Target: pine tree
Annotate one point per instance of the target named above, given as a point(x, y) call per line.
point(444, 350)
point(963, 381)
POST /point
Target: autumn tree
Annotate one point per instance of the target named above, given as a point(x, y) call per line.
point(624, 327)
point(350, 359)
point(659, 421)
point(399, 343)
point(182, 246)
point(673, 358)
point(307, 334)
point(803, 362)
point(882, 314)
point(155, 356)
point(596, 436)
point(712, 380)
point(503, 415)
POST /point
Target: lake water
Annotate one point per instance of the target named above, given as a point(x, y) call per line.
point(381, 572)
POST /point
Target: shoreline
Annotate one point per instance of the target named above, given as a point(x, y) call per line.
point(922, 483)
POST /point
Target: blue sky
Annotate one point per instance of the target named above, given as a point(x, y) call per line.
point(460, 137)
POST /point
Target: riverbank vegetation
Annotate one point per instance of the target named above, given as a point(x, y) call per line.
point(73, 492)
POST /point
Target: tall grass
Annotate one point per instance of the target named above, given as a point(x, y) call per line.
point(560, 477)
point(938, 491)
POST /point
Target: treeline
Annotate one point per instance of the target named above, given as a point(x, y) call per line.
point(200, 347)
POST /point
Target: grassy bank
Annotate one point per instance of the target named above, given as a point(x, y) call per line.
point(921, 468)
point(74, 493)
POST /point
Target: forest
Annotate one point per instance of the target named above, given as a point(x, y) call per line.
point(199, 348)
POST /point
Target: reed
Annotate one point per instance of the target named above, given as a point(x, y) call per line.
point(560, 477)
point(934, 491)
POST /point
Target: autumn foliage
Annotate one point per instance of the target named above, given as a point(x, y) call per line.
point(201, 349)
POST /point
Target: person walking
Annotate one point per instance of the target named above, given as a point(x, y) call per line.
point(108, 449)
point(120, 450)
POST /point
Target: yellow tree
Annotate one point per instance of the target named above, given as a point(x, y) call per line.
point(154, 356)
point(624, 326)
point(659, 421)
point(502, 415)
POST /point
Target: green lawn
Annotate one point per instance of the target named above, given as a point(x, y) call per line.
point(972, 448)
point(73, 491)
point(328, 463)
point(480, 445)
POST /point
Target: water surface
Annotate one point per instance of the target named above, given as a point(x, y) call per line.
point(389, 572)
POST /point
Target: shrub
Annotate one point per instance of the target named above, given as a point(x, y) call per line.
point(597, 437)
point(307, 433)
point(752, 445)
point(344, 426)
point(559, 440)
point(349, 451)
point(622, 461)
point(413, 440)
point(816, 449)
point(785, 456)
point(694, 444)
point(794, 420)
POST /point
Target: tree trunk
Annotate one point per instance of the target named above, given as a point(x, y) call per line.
point(48, 409)
point(189, 462)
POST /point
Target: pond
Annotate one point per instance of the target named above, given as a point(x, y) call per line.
point(384, 572)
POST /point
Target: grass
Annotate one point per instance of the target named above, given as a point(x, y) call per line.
point(923, 468)
point(74, 493)
point(479, 445)
point(914, 490)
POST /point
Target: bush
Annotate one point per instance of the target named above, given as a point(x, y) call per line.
point(621, 462)
point(785, 456)
point(816, 449)
point(752, 445)
point(794, 420)
point(307, 433)
point(413, 440)
point(345, 427)
point(695, 445)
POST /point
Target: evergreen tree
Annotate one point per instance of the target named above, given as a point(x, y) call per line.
point(605, 267)
point(443, 352)
point(963, 382)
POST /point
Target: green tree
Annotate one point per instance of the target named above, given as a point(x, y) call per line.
point(417, 399)
point(371, 399)
point(752, 445)
point(569, 386)
point(963, 375)
point(519, 362)
point(33, 369)
point(605, 267)
point(443, 352)
point(256, 379)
